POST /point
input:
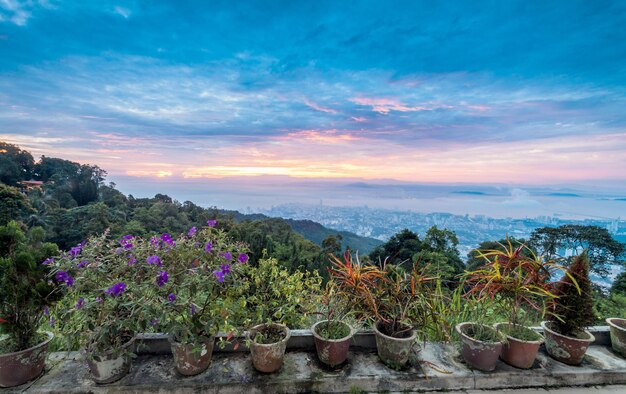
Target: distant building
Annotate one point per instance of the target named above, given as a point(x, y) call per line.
point(29, 185)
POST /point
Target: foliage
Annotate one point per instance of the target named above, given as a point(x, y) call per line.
point(24, 289)
point(572, 311)
point(399, 299)
point(191, 295)
point(102, 294)
point(611, 305)
point(601, 248)
point(437, 252)
point(269, 293)
point(475, 260)
point(619, 284)
point(15, 164)
point(13, 205)
point(521, 282)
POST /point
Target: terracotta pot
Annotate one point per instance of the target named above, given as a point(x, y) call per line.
point(617, 327)
point(187, 361)
point(478, 354)
point(268, 357)
point(332, 351)
point(20, 367)
point(109, 367)
point(517, 352)
point(392, 351)
point(568, 350)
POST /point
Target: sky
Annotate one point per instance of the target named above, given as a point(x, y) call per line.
point(476, 92)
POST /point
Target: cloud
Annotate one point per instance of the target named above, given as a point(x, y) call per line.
point(15, 11)
point(124, 12)
point(319, 107)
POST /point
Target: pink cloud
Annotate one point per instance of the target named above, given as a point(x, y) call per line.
point(385, 105)
point(358, 119)
point(320, 136)
point(319, 107)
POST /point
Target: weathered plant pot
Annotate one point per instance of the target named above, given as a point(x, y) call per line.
point(109, 367)
point(617, 327)
point(568, 350)
point(268, 357)
point(478, 354)
point(187, 361)
point(332, 352)
point(517, 352)
point(392, 351)
point(20, 367)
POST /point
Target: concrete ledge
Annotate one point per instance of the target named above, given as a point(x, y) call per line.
point(437, 367)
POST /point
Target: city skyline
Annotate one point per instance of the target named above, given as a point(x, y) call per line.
point(515, 93)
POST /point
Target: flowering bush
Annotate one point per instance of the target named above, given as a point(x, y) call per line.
point(101, 280)
point(191, 294)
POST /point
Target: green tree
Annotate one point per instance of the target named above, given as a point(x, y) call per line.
point(602, 249)
point(619, 284)
point(15, 164)
point(13, 205)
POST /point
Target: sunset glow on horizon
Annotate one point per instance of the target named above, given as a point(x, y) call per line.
point(411, 91)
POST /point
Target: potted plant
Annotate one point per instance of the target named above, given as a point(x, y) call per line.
point(481, 345)
point(567, 339)
point(617, 327)
point(332, 335)
point(24, 296)
point(102, 300)
point(519, 281)
point(396, 301)
point(189, 297)
point(279, 299)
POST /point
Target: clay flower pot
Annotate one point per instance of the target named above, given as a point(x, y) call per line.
point(517, 352)
point(110, 366)
point(393, 351)
point(268, 357)
point(478, 354)
point(617, 327)
point(568, 350)
point(332, 351)
point(20, 367)
point(189, 362)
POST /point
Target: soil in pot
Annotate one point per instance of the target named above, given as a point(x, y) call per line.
point(17, 368)
point(110, 366)
point(268, 345)
point(481, 345)
point(617, 328)
point(566, 349)
point(394, 347)
point(521, 346)
point(192, 359)
point(332, 341)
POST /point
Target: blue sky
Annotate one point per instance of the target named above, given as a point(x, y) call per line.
point(520, 92)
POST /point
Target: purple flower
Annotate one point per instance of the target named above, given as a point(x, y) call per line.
point(192, 231)
point(154, 259)
point(51, 321)
point(132, 260)
point(219, 274)
point(99, 300)
point(75, 251)
point(243, 258)
point(193, 309)
point(48, 261)
point(154, 241)
point(167, 238)
point(127, 237)
point(171, 297)
point(162, 278)
point(80, 303)
point(154, 322)
point(209, 246)
point(116, 289)
point(64, 277)
point(82, 264)
point(211, 223)
point(225, 268)
point(126, 241)
point(227, 255)
point(46, 311)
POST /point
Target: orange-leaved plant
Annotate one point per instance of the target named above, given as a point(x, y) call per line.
point(517, 278)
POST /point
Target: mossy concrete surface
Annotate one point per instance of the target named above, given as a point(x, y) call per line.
point(436, 367)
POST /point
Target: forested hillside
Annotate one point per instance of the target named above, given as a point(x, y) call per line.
point(74, 202)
